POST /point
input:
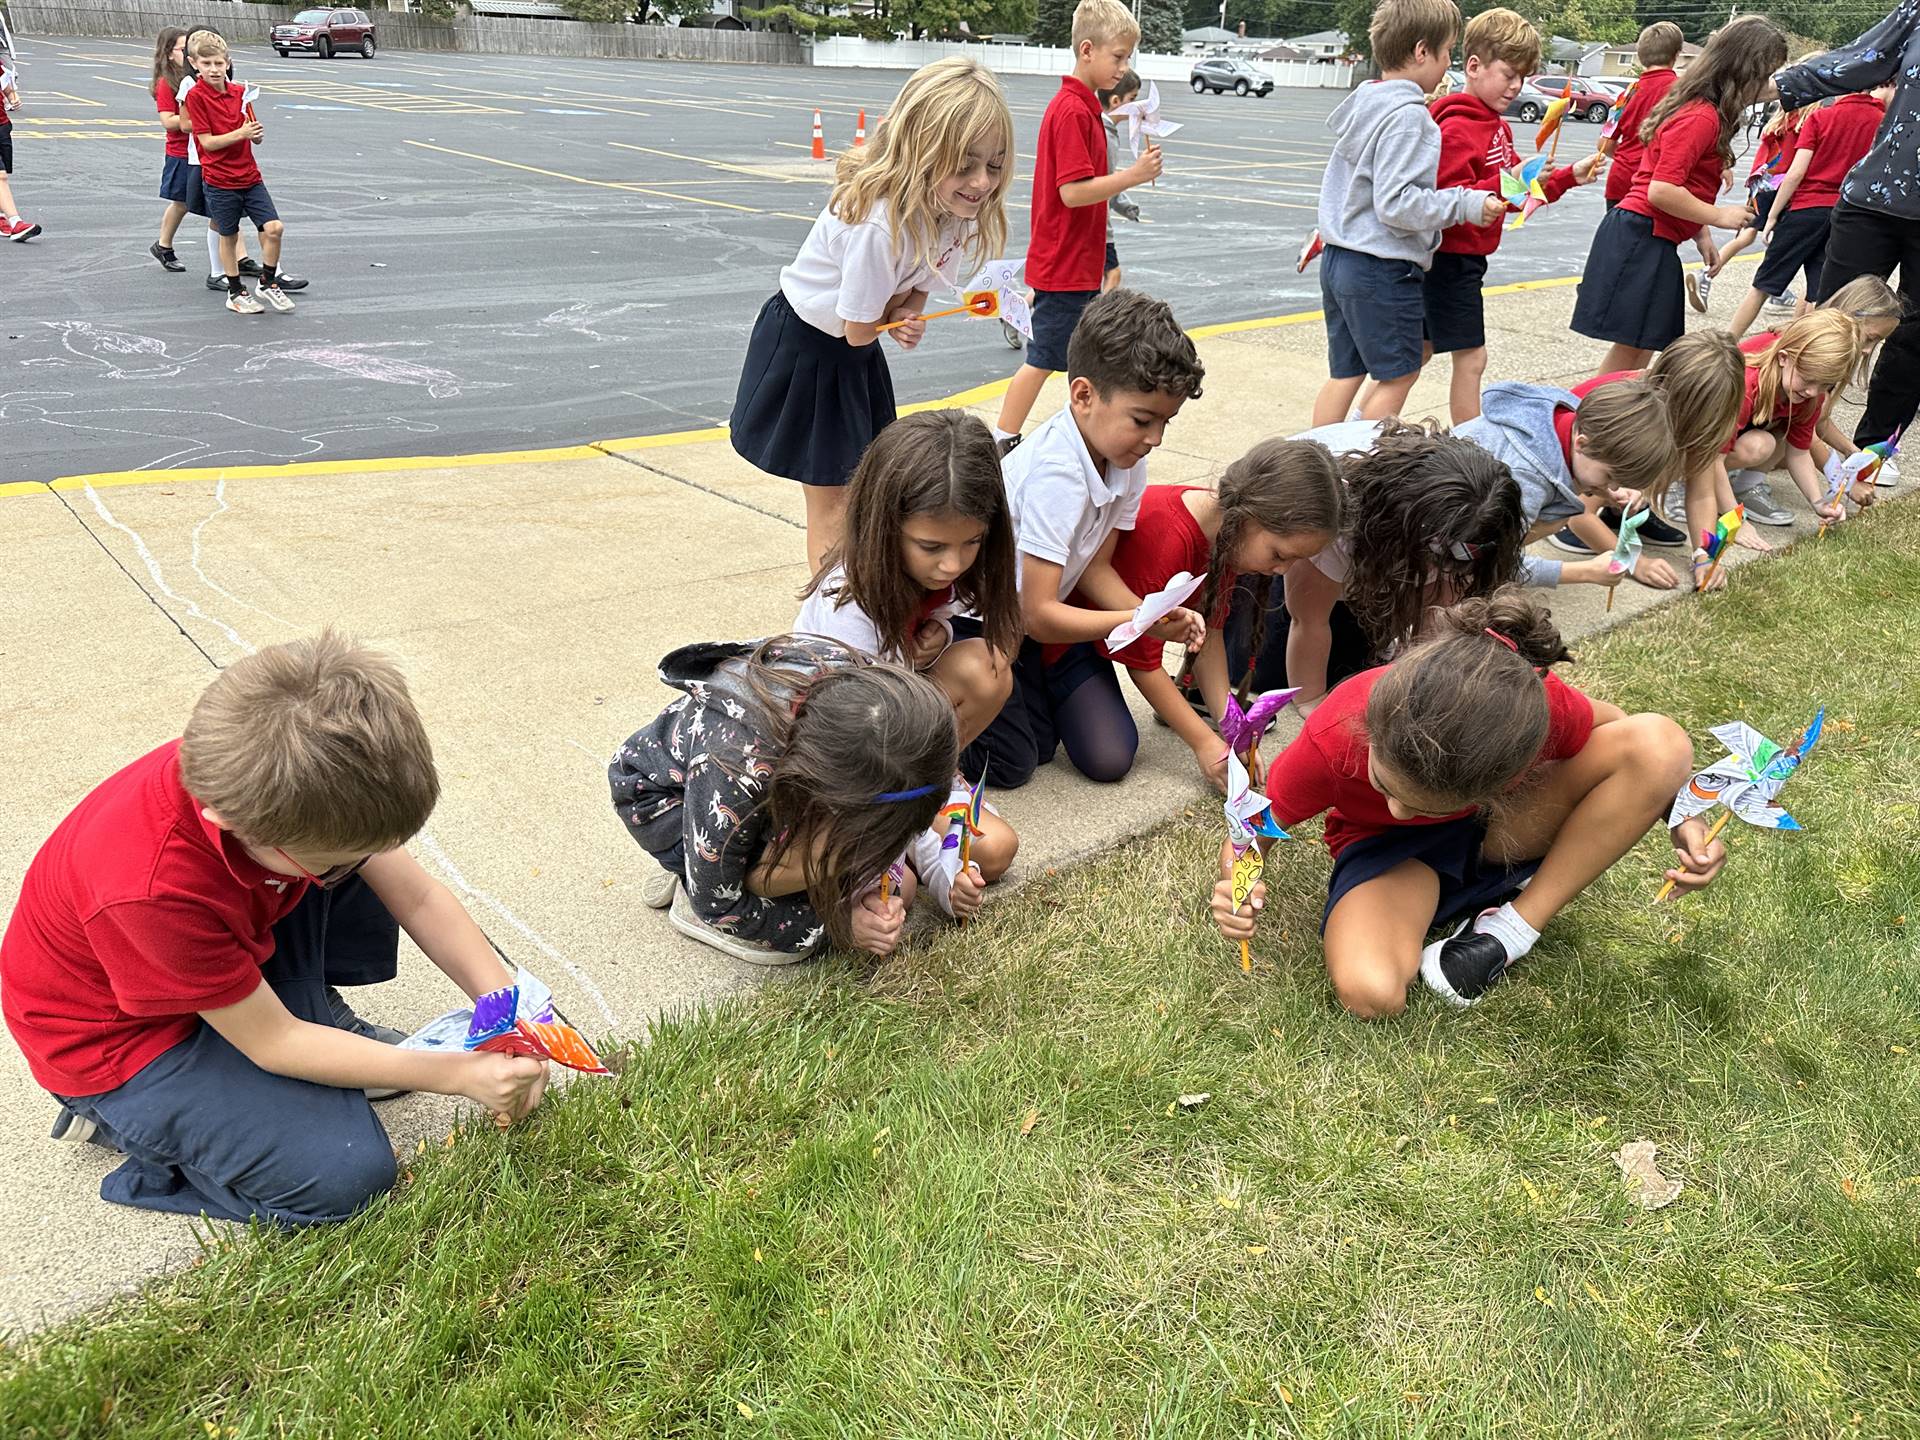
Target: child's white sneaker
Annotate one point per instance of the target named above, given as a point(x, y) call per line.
point(680, 915)
point(657, 889)
point(277, 298)
point(241, 303)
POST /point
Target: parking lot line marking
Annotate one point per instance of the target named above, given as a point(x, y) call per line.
point(757, 174)
point(565, 101)
point(41, 98)
point(610, 184)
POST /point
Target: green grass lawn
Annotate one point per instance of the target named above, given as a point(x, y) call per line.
point(953, 1195)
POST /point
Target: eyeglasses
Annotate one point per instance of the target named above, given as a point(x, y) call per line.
point(332, 876)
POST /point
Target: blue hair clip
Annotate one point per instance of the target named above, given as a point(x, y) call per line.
point(890, 797)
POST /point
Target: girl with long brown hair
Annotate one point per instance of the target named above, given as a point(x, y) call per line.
point(1630, 294)
point(179, 181)
point(1467, 782)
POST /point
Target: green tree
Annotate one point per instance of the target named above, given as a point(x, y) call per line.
point(1160, 25)
point(1053, 23)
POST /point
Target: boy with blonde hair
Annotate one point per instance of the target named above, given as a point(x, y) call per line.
point(169, 968)
point(1381, 212)
point(224, 132)
point(1476, 145)
point(1067, 250)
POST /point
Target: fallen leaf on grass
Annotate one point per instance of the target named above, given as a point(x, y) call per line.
point(1286, 1395)
point(1026, 1125)
point(1897, 1049)
point(1592, 1294)
point(758, 1257)
point(1256, 1249)
point(1846, 1186)
point(1228, 1202)
point(1649, 1188)
point(1193, 1101)
point(1532, 1194)
point(746, 1410)
point(1540, 1294)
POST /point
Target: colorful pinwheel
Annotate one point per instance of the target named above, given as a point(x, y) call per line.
point(963, 811)
point(1249, 817)
point(1242, 729)
point(1612, 126)
point(1143, 118)
point(1767, 177)
point(1626, 554)
point(519, 1020)
point(1715, 543)
point(1308, 252)
point(1550, 124)
point(1523, 189)
point(1747, 782)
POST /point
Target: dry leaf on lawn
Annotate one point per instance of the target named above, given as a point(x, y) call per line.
point(1649, 1188)
point(1193, 1101)
point(1033, 1119)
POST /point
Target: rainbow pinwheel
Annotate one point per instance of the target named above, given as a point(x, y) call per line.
point(1143, 118)
point(1523, 189)
point(516, 1019)
point(963, 811)
point(1767, 177)
point(1715, 543)
point(1612, 126)
point(1747, 782)
point(1865, 463)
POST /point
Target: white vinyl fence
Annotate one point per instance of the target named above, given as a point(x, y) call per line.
point(850, 52)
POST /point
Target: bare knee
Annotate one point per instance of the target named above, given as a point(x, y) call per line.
point(1753, 449)
point(1661, 749)
point(994, 850)
point(973, 673)
point(1369, 987)
point(272, 230)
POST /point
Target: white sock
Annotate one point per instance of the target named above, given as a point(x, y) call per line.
point(213, 255)
point(999, 434)
point(1515, 935)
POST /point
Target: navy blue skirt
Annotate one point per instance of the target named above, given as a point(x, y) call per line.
point(1630, 294)
point(180, 183)
point(1450, 849)
point(809, 403)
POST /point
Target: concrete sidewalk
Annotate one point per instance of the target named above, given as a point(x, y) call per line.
point(528, 602)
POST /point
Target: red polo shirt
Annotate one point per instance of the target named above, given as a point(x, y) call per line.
point(1068, 246)
point(1685, 152)
point(1628, 148)
point(1838, 136)
point(164, 102)
point(1325, 768)
point(221, 114)
point(135, 915)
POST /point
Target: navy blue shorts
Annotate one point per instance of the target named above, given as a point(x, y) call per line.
point(1456, 311)
point(1113, 257)
point(1075, 701)
point(1763, 207)
point(1451, 849)
point(180, 184)
point(1630, 293)
point(6, 148)
point(1799, 243)
point(1055, 313)
point(225, 207)
point(1375, 314)
point(206, 1131)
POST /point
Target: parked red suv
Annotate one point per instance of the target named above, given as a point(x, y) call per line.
point(1590, 102)
point(325, 32)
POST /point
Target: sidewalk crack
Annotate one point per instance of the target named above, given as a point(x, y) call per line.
point(703, 489)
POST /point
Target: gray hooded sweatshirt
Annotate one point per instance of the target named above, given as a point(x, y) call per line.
point(1378, 195)
point(1515, 425)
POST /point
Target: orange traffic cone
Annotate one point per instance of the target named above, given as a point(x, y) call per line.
point(860, 129)
point(819, 139)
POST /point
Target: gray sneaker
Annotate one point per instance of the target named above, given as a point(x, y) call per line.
point(344, 1019)
point(657, 889)
point(1750, 488)
point(682, 918)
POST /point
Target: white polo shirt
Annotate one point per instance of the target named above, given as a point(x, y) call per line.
point(1063, 507)
point(848, 272)
point(852, 626)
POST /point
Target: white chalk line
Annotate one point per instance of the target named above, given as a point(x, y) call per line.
point(153, 572)
point(220, 500)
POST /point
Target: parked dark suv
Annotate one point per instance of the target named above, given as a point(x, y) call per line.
point(326, 33)
point(1221, 72)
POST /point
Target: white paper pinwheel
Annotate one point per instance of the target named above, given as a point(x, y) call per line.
point(1002, 277)
point(1748, 779)
point(1155, 608)
point(1249, 813)
point(1143, 118)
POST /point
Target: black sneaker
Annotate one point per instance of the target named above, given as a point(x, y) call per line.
point(164, 254)
point(344, 1019)
point(1565, 539)
point(1460, 968)
point(292, 282)
point(1654, 532)
point(73, 1128)
point(249, 265)
point(217, 284)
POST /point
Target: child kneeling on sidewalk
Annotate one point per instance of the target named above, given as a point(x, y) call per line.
point(170, 968)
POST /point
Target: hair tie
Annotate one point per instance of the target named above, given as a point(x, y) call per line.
point(890, 797)
point(1505, 640)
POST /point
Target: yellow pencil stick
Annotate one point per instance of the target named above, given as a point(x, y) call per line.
point(1712, 835)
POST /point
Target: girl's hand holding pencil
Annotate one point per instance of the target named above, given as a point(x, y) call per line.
point(906, 326)
point(1701, 854)
point(969, 890)
point(1239, 926)
point(878, 922)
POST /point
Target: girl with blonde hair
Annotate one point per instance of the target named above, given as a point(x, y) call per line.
point(922, 204)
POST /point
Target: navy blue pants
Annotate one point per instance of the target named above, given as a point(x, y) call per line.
point(206, 1131)
point(1349, 656)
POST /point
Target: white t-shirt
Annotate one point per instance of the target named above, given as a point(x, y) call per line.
point(1063, 508)
point(1342, 438)
point(848, 272)
point(851, 625)
point(187, 82)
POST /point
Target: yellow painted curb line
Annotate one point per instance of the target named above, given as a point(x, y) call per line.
point(978, 395)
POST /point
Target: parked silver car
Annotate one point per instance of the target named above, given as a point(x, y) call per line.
point(1224, 72)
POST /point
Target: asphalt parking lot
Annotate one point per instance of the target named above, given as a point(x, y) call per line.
point(509, 253)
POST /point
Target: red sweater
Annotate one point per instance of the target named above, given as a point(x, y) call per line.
point(1476, 144)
